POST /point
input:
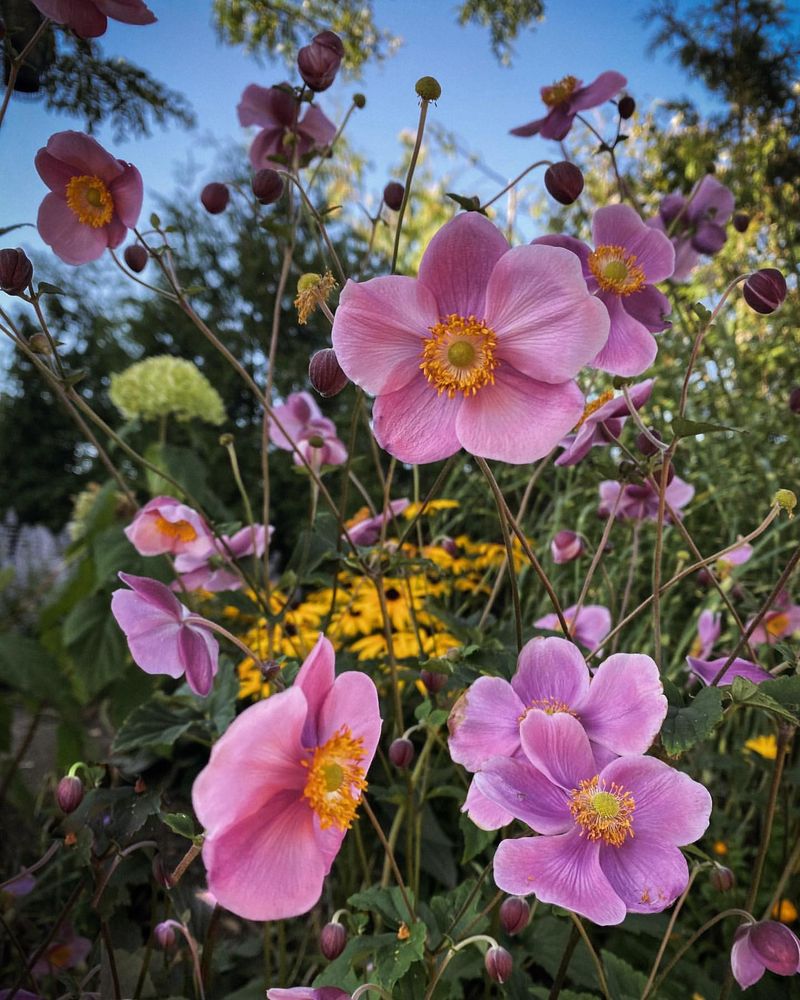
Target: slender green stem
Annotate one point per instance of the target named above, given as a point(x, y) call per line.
point(390, 855)
point(423, 114)
point(598, 964)
point(670, 926)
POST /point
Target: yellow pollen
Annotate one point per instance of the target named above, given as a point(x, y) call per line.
point(777, 625)
point(90, 200)
point(335, 780)
point(459, 355)
point(595, 405)
point(616, 271)
point(559, 91)
point(603, 813)
point(181, 531)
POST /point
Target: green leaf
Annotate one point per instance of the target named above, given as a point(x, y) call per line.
point(475, 839)
point(45, 288)
point(28, 668)
point(388, 902)
point(389, 956)
point(745, 692)
point(96, 645)
point(686, 726)
point(690, 428)
point(701, 311)
point(180, 823)
point(158, 723)
point(785, 690)
point(624, 982)
point(471, 203)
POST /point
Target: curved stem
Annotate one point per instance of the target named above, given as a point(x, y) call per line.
point(601, 975)
point(423, 114)
point(517, 179)
point(668, 932)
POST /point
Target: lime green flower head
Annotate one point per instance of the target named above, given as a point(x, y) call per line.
point(162, 386)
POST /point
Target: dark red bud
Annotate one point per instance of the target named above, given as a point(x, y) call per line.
point(329, 40)
point(514, 915)
point(765, 290)
point(794, 399)
point(401, 753)
point(776, 946)
point(332, 941)
point(69, 793)
point(16, 271)
point(722, 878)
point(709, 238)
point(319, 62)
point(741, 221)
point(499, 964)
point(704, 578)
point(626, 106)
point(267, 185)
point(566, 546)
point(136, 257)
point(393, 195)
point(325, 373)
point(645, 445)
point(434, 682)
point(215, 197)
point(564, 181)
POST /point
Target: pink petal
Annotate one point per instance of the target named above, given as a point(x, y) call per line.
point(558, 746)
point(557, 124)
point(458, 263)
point(711, 200)
point(317, 127)
point(315, 679)
point(650, 307)
point(127, 192)
point(199, 653)
point(267, 865)
point(127, 11)
point(548, 326)
point(526, 794)
point(517, 420)
point(55, 173)
point(550, 669)
point(562, 870)
point(598, 91)
point(620, 225)
point(626, 704)
point(777, 947)
point(576, 246)
point(378, 331)
point(530, 129)
point(265, 106)
point(416, 424)
point(258, 757)
point(76, 149)
point(631, 348)
point(670, 806)
point(707, 670)
point(746, 966)
point(156, 594)
point(69, 239)
point(352, 701)
point(484, 723)
point(152, 636)
point(266, 145)
point(647, 874)
point(483, 812)
point(84, 18)
point(679, 493)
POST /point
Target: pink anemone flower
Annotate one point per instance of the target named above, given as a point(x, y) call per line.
point(639, 502)
point(621, 709)
point(365, 530)
point(89, 18)
point(736, 557)
point(781, 622)
point(65, 951)
point(761, 946)
point(565, 99)
point(611, 836)
point(588, 626)
point(707, 670)
point(163, 635)
point(695, 224)
point(307, 429)
point(282, 788)
point(709, 627)
point(602, 423)
point(94, 198)
point(164, 525)
point(212, 570)
point(479, 351)
point(283, 132)
point(627, 259)
point(566, 546)
point(308, 993)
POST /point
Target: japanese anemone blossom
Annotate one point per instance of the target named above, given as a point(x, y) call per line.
point(610, 835)
point(628, 257)
point(588, 626)
point(695, 224)
point(602, 423)
point(160, 638)
point(65, 951)
point(283, 132)
point(639, 502)
point(307, 429)
point(565, 99)
point(707, 670)
point(765, 945)
point(365, 530)
point(212, 570)
point(164, 525)
point(282, 787)
point(779, 623)
point(479, 351)
point(94, 198)
point(89, 18)
point(621, 709)
point(709, 627)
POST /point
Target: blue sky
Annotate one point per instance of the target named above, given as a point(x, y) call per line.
point(481, 100)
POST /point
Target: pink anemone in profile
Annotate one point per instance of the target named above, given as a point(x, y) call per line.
point(726, 564)
point(283, 132)
point(163, 635)
point(639, 501)
point(566, 546)
point(761, 946)
point(627, 259)
point(282, 788)
point(307, 430)
point(94, 198)
point(707, 670)
point(589, 626)
point(696, 225)
point(165, 525)
point(212, 570)
point(602, 423)
point(65, 951)
point(610, 836)
point(366, 530)
point(709, 627)
point(565, 99)
point(621, 709)
point(780, 622)
point(89, 18)
point(479, 351)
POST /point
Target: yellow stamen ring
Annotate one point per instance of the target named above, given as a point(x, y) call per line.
point(616, 270)
point(90, 200)
point(181, 531)
point(335, 780)
point(560, 91)
point(595, 405)
point(603, 812)
point(459, 355)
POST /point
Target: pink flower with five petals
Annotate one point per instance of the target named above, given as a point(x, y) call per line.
point(283, 131)
point(89, 18)
point(565, 99)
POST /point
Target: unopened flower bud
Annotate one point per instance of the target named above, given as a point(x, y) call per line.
point(359, 100)
point(514, 915)
point(325, 373)
point(319, 62)
point(136, 257)
point(722, 878)
point(786, 500)
point(626, 106)
point(401, 753)
point(215, 197)
point(428, 88)
point(564, 181)
point(16, 271)
point(794, 399)
point(226, 439)
point(498, 964)
point(741, 221)
point(332, 941)
point(393, 195)
point(434, 682)
point(269, 668)
point(165, 936)
point(645, 445)
point(776, 946)
point(39, 343)
point(267, 185)
point(69, 793)
point(566, 546)
point(765, 290)
point(161, 872)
